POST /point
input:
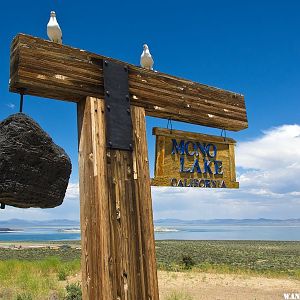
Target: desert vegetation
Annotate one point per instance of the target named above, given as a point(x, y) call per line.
point(52, 272)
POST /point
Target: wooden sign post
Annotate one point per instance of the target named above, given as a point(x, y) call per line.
point(118, 249)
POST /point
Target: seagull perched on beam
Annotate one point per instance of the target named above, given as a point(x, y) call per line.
point(53, 29)
point(146, 58)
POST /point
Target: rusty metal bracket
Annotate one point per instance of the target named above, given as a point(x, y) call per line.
point(117, 101)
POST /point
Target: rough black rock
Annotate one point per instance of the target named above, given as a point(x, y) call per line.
point(34, 172)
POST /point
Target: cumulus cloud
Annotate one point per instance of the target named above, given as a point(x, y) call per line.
point(271, 163)
point(72, 191)
point(277, 148)
point(268, 172)
point(69, 209)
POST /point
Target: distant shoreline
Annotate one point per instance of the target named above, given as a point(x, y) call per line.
point(77, 243)
point(261, 232)
point(5, 230)
point(12, 223)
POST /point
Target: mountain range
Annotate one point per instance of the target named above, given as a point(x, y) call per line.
point(251, 222)
point(27, 223)
point(161, 222)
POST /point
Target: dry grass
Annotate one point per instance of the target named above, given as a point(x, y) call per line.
point(175, 295)
point(34, 279)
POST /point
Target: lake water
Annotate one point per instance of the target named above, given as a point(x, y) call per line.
point(179, 232)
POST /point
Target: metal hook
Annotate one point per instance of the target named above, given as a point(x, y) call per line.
point(170, 122)
point(223, 131)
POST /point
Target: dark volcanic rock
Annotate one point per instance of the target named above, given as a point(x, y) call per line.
point(34, 172)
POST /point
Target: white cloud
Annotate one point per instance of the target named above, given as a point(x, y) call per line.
point(72, 191)
point(69, 209)
point(277, 148)
point(11, 105)
point(275, 158)
point(25, 214)
point(268, 172)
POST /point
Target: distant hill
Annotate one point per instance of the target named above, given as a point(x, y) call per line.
point(252, 222)
point(25, 223)
point(18, 223)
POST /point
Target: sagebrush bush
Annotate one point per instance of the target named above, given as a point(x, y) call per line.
point(24, 296)
point(62, 275)
point(188, 261)
point(73, 291)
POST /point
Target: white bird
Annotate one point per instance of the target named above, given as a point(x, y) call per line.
point(146, 58)
point(53, 30)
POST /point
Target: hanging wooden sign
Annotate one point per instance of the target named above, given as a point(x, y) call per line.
point(187, 159)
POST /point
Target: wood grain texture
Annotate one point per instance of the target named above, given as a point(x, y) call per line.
point(94, 205)
point(164, 132)
point(133, 232)
point(125, 230)
point(166, 181)
point(159, 155)
point(56, 71)
point(118, 250)
point(167, 166)
point(142, 187)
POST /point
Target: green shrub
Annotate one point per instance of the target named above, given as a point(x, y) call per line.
point(65, 247)
point(74, 291)
point(188, 261)
point(62, 275)
point(24, 296)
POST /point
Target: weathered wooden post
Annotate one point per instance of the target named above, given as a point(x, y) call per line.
point(118, 249)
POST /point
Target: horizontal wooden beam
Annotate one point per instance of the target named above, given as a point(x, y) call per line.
point(50, 70)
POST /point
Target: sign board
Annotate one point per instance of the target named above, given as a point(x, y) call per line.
point(186, 159)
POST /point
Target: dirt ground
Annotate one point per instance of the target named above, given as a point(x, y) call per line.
point(198, 286)
point(207, 286)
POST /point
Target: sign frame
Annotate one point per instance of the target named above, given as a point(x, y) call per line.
point(222, 174)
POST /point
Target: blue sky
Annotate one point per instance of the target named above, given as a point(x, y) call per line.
point(248, 47)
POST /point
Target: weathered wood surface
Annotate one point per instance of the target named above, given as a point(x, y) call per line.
point(191, 135)
point(167, 166)
point(118, 251)
point(95, 216)
point(56, 71)
point(142, 188)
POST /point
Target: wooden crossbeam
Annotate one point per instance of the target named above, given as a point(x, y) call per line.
point(50, 70)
